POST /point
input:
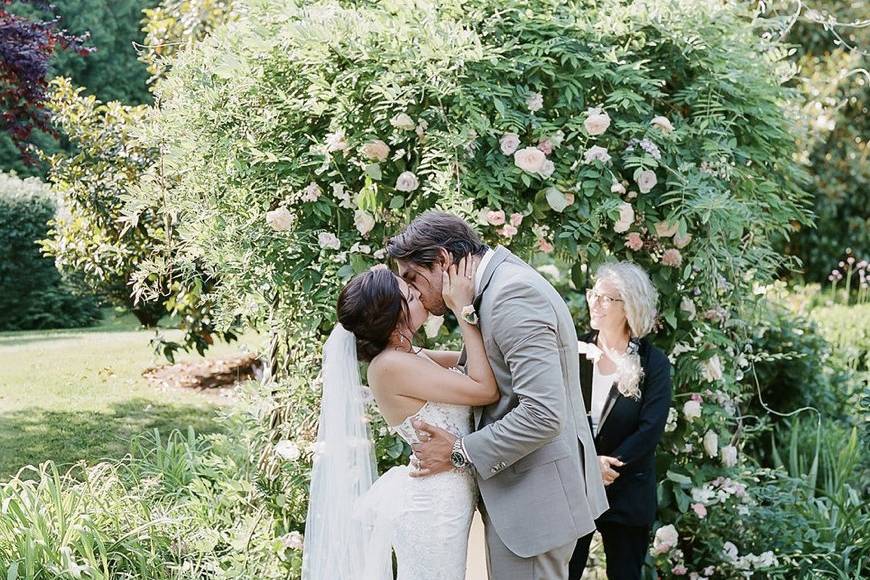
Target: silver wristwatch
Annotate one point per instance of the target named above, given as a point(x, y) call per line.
point(457, 456)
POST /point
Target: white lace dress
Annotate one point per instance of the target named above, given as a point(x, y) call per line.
point(426, 520)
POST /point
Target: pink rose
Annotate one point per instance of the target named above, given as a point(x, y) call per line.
point(700, 510)
point(495, 218)
point(508, 231)
point(597, 121)
point(634, 242)
point(548, 169)
point(665, 230)
point(375, 150)
point(569, 198)
point(679, 570)
point(407, 182)
point(626, 218)
point(545, 146)
point(545, 246)
point(516, 219)
point(311, 193)
point(530, 160)
point(672, 258)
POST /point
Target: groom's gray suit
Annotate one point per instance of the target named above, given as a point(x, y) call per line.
point(533, 452)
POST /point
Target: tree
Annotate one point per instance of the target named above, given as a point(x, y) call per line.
point(95, 238)
point(26, 49)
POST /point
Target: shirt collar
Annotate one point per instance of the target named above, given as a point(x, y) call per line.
point(481, 268)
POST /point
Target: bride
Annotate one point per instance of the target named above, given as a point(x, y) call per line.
point(353, 521)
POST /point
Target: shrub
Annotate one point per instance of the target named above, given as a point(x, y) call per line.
point(32, 293)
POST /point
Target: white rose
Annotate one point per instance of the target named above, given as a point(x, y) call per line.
point(617, 188)
point(646, 180)
point(280, 219)
point(403, 121)
point(311, 193)
point(432, 325)
point(336, 141)
point(407, 181)
point(530, 160)
point(288, 450)
point(729, 456)
point(509, 143)
point(626, 218)
point(692, 410)
point(548, 169)
point(422, 125)
point(666, 538)
point(364, 221)
point(597, 153)
point(711, 444)
point(380, 254)
point(687, 306)
point(375, 150)
point(712, 369)
point(535, 102)
point(328, 241)
point(662, 123)
point(729, 552)
point(597, 121)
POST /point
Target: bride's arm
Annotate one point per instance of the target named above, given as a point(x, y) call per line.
point(446, 358)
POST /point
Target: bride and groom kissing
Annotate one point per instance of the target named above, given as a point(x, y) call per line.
point(500, 426)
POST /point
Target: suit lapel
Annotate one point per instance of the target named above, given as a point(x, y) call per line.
point(586, 382)
point(612, 398)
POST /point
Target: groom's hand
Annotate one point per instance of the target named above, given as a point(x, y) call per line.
point(433, 452)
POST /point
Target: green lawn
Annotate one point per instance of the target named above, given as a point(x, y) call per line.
point(70, 395)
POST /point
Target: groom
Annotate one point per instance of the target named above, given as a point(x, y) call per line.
point(532, 451)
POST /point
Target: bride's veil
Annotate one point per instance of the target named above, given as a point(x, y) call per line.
point(336, 543)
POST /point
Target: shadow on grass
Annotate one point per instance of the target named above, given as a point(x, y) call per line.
point(29, 437)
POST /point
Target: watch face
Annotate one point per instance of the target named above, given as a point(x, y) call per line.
point(457, 459)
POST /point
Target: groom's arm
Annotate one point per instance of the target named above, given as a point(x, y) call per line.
point(524, 328)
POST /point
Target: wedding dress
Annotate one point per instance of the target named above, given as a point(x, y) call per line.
point(426, 519)
point(355, 519)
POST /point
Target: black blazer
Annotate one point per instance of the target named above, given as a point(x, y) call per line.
point(630, 431)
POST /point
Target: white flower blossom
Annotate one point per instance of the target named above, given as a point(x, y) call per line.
point(597, 153)
point(692, 410)
point(666, 538)
point(280, 219)
point(597, 121)
point(535, 102)
point(407, 182)
point(403, 121)
point(509, 143)
point(336, 141)
point(328, 241)
point(364, 221)
point(662, 123)
point(712, 369)
point(711, 444)
point(288, 450)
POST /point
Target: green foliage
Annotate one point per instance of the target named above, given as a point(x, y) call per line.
point(180, 507)
point(95, 238)
point(267, 131)
point(32, 293)
point(174, 25)
point(830, 49)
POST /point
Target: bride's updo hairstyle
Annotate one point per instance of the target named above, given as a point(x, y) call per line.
point(371, 306)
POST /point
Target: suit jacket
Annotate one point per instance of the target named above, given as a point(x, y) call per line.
point(630, 431)
point(533, 450)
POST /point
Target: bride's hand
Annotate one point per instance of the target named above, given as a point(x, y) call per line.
point(457, 286)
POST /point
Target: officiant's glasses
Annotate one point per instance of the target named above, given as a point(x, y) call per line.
point(606, 301)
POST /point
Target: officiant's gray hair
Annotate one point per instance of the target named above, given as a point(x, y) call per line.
point(431, 231)
point(637, 291)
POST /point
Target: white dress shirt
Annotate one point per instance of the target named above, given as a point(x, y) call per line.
point(478, 276)
point(601, 385)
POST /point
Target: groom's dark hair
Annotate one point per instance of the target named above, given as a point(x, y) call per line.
point(420, 241)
